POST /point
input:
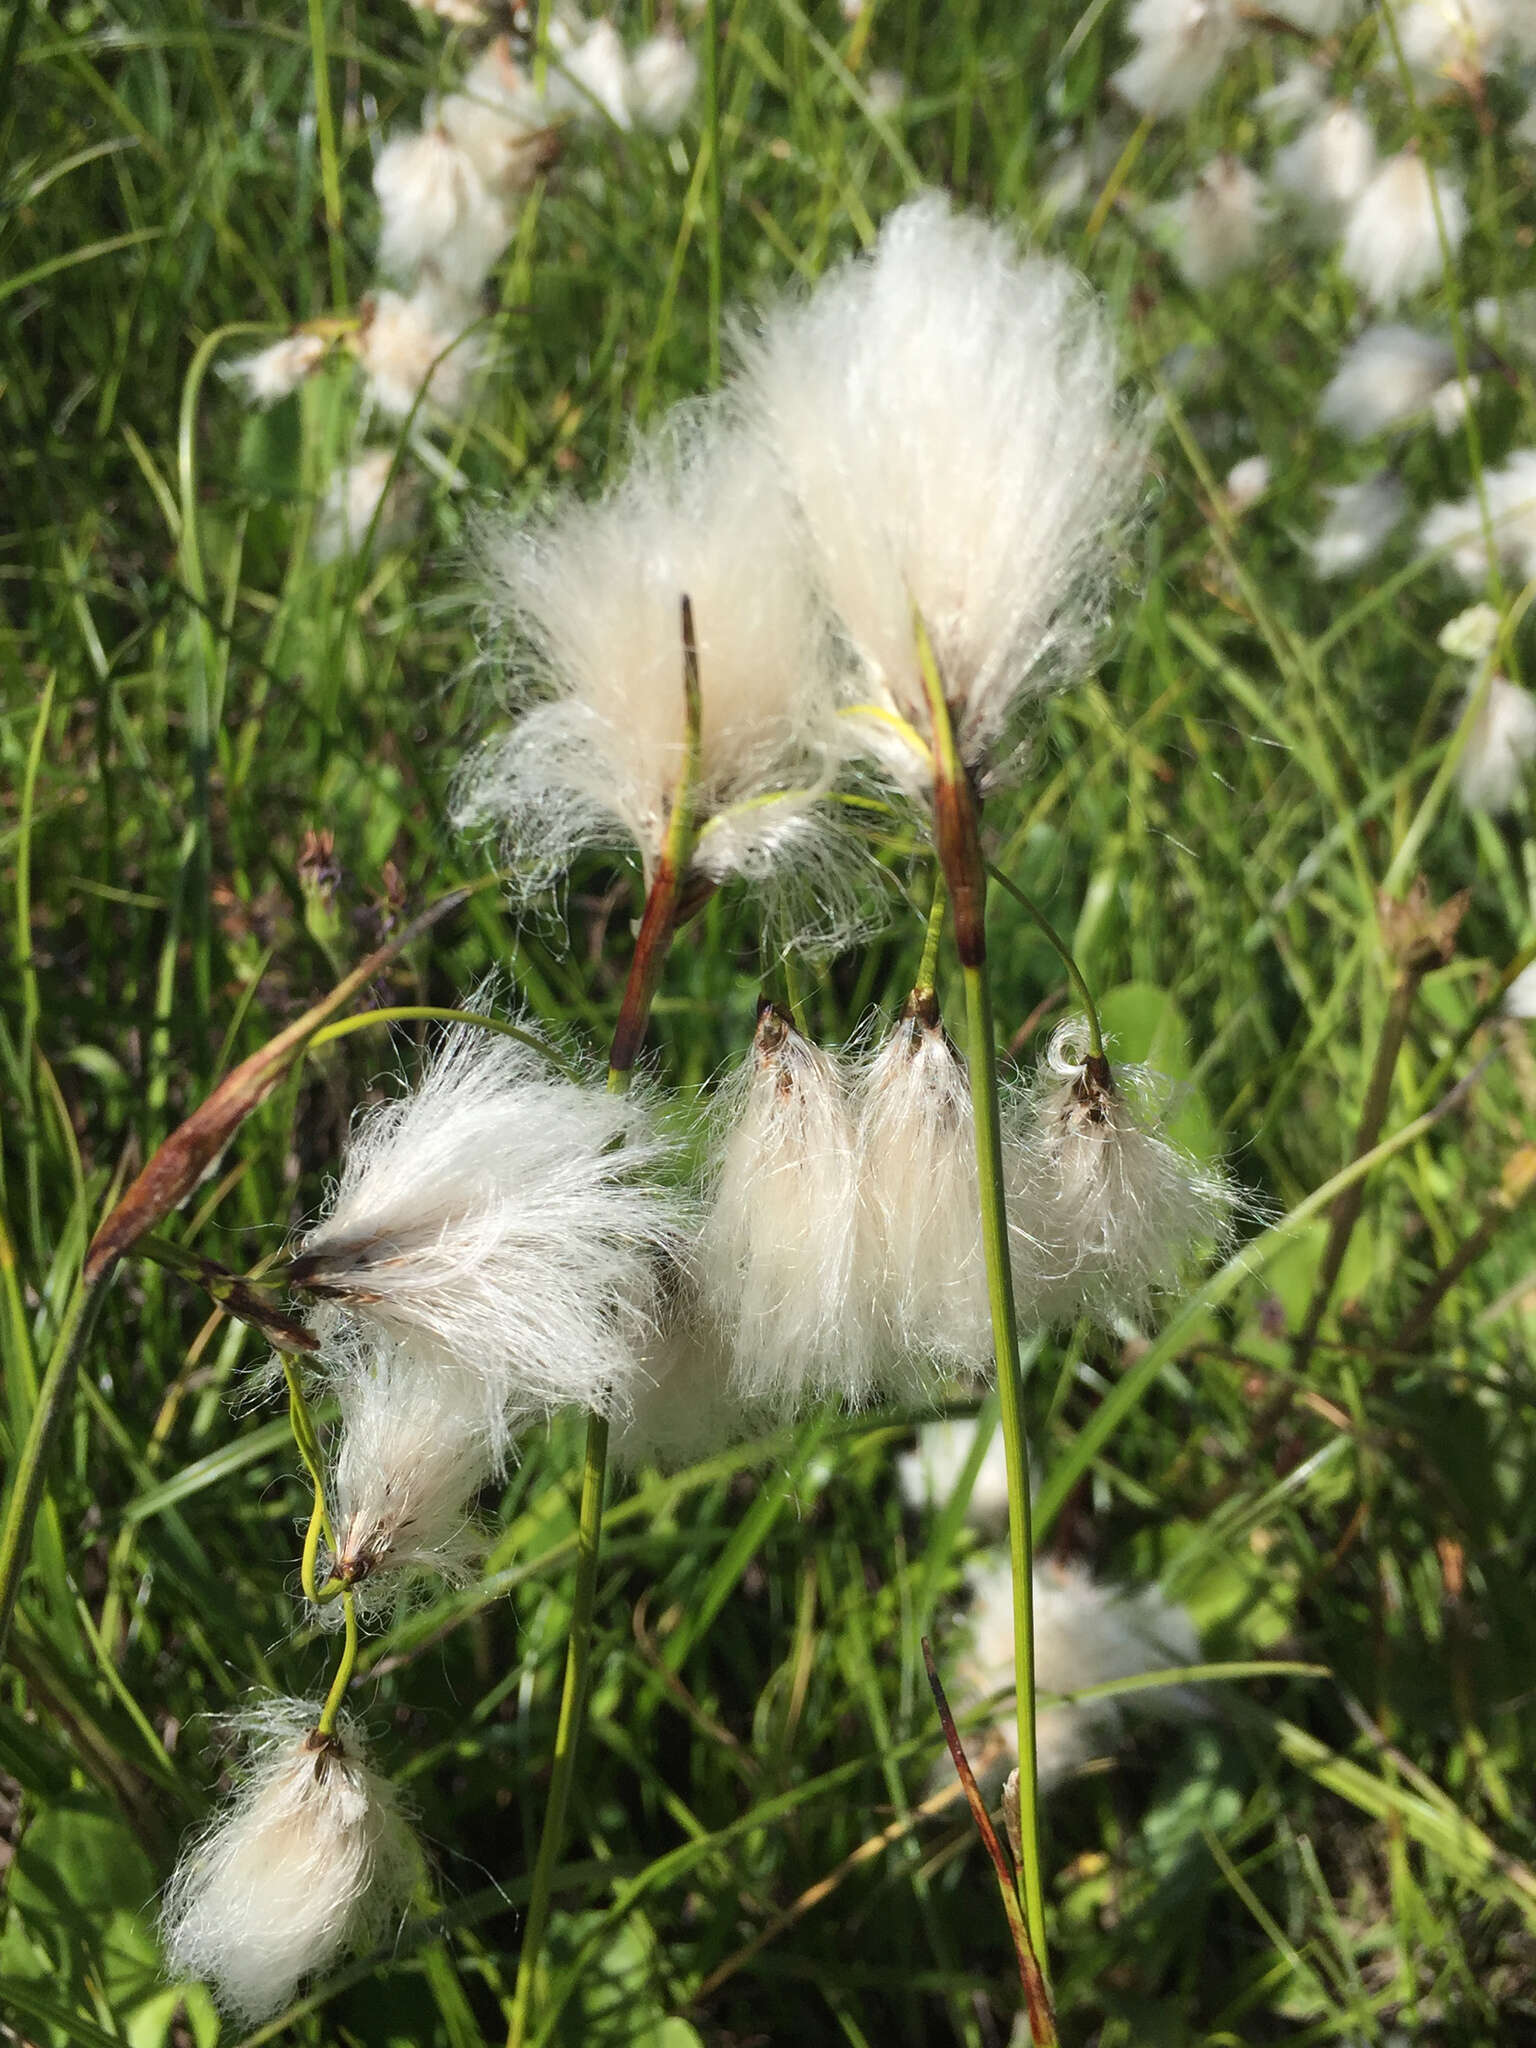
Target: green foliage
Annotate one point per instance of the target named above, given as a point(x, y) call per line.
point(1334, 1857)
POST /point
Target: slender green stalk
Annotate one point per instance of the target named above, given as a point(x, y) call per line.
point(957, 837)
point(928, 966)
point(1050, 934)
point(31, 1465)
point(657, 925)
point(330, 167)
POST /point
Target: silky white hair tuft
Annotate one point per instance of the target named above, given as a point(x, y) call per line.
point(1361, 519)
point(928, 1474)
point(1392, 240)
point(1105, 1212)
point(1181, 48)
point(1218, 223)
point(685, 1406)
point(782, 1260)
point(1325, 170)
point(1510, 495)
point(504, 1221)
point(412, 1452)
point(1500, 747)
point(945, 411)
point(1386, 376)
point(922, 1206)
point(312, 1860)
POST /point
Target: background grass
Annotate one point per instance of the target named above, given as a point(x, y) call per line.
point(1336, 1857)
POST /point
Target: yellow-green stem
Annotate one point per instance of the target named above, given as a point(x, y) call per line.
point(1054, 939)
point(307, 1438)
point(1010, 1383)
point(344, 1669)
point(657, 926)
point(929, 964)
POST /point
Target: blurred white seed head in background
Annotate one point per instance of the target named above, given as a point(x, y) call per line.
point(437, 213)
point(1326, 169)
point(1361, 519)
point(663, 82)
point(371, 500)
point(310, 1861)
point(1218, 223)
point(1500, 747)
point(927, 1475)
point(1392, 240)
point(274, 373)
point(1181, 49)
point(416, 349)
point(1386, 376)
point(1510, 495)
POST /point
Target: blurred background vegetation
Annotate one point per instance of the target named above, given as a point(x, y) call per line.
point(225, 780)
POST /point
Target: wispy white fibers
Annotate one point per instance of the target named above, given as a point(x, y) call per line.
point(1510, 496)
point(411, 1454)
point(922, 1208)
point(946, 413)
point(781, 1257)
point(928, 1475)
point(499, 122)
point(1361, 519)
point(1086, 1634)
point(309, 1862)
point(1392, 241)
point(663, 80)
point(1454, 42)
point(1181, 48)
point(505, 1221)
point(437, 213)
point(1496, 759)
point(1325, 170)
point(1218, 223)
point(685, 1405)
point(1106, 1212)
point(371, 501)
point(1389, 374)
point(274, 373)
point(416, 351)
point(594, 591)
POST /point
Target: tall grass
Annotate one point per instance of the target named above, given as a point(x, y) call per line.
point(1340, 1853)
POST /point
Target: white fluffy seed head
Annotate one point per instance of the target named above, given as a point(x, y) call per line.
point(1392, 240)
point(922, 1209)
point(1520, 996)
point(594, 595)
point(1388, 375)
point(945, 411)
point(1510, 496)
point(273, 373)
point(663, 81)
point(1105, 1212)
point(310, 1861)
point(1218, 223)
point(437, 213)
point(685, 1406)
point(413, 1451)
point(1247, 481)
point(1326, 169)
point(499, 122)
point(1086, 1635)
point(928, 1475)
point(1361, 519)
point(783, 1265)
point(1452, 42)
point(1499, 749)
point(371, 501)
point(1182, 47)
point(419, 349)
point(589, 72)
point(509, 1223)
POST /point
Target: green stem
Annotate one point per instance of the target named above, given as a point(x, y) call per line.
point(345, 1669)
point(957, 838)
point(31, 1466)
point(657, 926)
point(929, 964)
point(330, 168)
point(1050, 934)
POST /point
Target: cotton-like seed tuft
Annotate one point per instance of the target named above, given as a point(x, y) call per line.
point(1105, 1212)
point(416, 350)
point(437, 213)
point(1086, 1635)
point(1520, 996)
point(1510, 495)
point(1387, 376)
point(310, 1862)
point(589, 72)
point(1492, 770)
point(371, 501)
point(928, 1475)
point(595, 593)
point(1218, 224)
point(1247, 482)
point(412, 1453)
point(922, 1207)
point(499, 122)
point(945, 411)
point(1181, 49)
point(1392, 240)
point(274, 373)
point(506, 1223)
point(1327, 168)
point(783, 1264)
point(685, 1407)
point(1452, 42)
point(1362, 518)
point(663, 82)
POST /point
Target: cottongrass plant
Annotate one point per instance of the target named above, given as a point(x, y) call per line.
point(1402, 229)
point(310, 1861)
